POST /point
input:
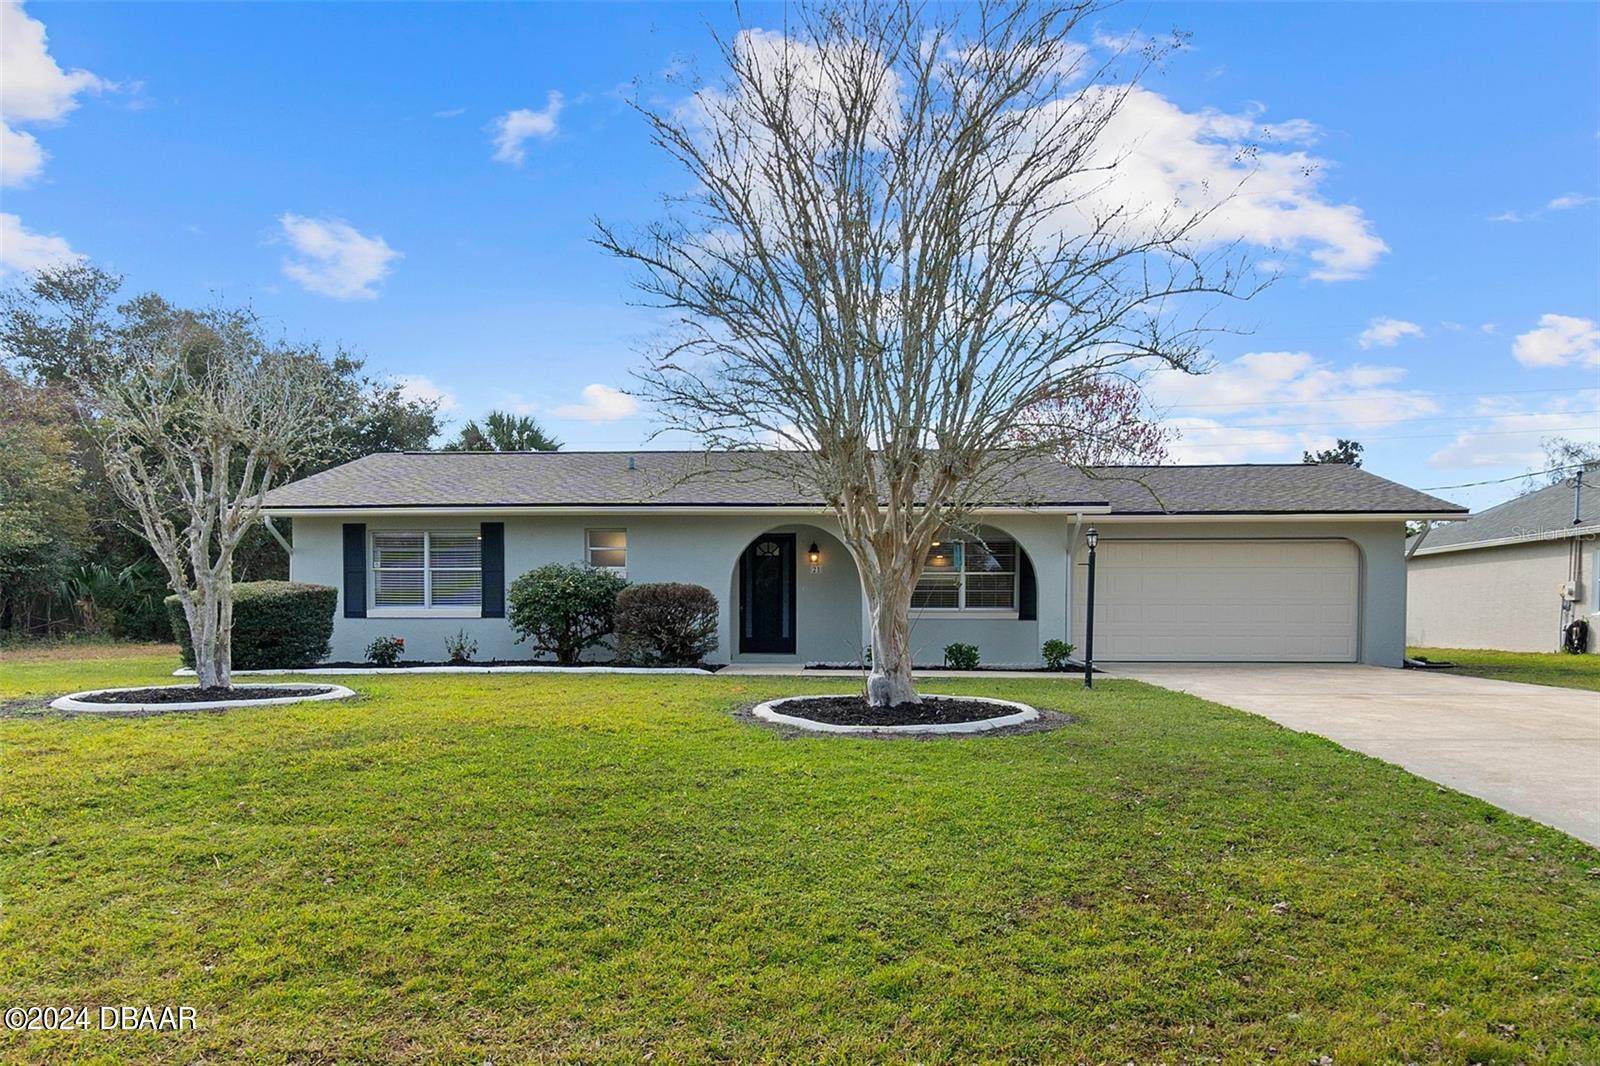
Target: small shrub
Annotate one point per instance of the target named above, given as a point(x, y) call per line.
point(961, 656)
point(460, 648)
point(276, 624)
point(386, 651)
point(563, 610)
point(1056, 654)
point(669, 623)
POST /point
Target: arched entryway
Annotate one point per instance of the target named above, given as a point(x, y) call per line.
point(795, 596)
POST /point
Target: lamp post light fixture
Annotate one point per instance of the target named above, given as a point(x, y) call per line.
point(1091, 536)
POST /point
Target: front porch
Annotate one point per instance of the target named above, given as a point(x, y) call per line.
point(794, 596)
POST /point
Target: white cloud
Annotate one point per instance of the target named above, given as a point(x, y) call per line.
point(1268, 406)
point(418, 387)
point(33, 89)
point(1560, 203)
point(1557, 341)
point(601, 403)
point(514, 128)
point(1140, 42)
point(21, 158)
point(1206, 440)
point(335, 259)
point(1160, 157)
point(1386, 332)
point(1570, 200)
point(23, 251)
point(1511, 435)
point(1152, 162)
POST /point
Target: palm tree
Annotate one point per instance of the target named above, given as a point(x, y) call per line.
point(502, 431)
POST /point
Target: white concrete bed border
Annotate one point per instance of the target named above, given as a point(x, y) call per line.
point(75, 701)
point(401, 671)
point(768, 712)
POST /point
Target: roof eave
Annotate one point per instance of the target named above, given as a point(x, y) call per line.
point(1542, 537)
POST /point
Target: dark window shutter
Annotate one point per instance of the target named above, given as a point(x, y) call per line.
point(493, 535)
point(1027, 589)
point(355, 570)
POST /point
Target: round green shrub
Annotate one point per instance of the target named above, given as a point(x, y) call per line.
point(670, 623)
point(563, 610)
point(276, 624)
point(1056, 654)
point(961, 656)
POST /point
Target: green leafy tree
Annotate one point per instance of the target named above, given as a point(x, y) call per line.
point(44, 525)
point(502, 431)
point(65, 328)
point(1344, 451)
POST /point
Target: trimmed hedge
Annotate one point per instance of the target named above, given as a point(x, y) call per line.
point(670, 623)
point(276, 624)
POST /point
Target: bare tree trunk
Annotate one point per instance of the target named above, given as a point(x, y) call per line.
point(889, 603)
point(209, 613)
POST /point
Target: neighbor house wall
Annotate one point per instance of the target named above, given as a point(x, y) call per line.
point(1506, 598)
point(1379, 544)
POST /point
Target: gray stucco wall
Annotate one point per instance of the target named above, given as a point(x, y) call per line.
point(830, 615)
point(1505, 598)
point(705, 550)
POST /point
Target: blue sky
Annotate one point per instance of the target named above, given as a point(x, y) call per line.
point(345, 169)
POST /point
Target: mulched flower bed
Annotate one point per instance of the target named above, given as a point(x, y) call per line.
point(410, 664)
point(853, 710)
point(1016, 668)
point(196, 694)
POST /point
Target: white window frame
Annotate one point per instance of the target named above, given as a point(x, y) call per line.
point(959, 546)
point(589, 548)
point(426, 609)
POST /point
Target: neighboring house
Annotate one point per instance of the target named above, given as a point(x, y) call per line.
point(1236, 563)
point(1510, 578)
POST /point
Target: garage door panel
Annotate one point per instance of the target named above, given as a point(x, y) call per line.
point(1236, 600)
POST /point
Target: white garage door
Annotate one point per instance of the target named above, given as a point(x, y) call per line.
point(1223, 600)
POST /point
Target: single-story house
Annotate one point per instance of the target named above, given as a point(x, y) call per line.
point(1228, 563)
point(1510, 578)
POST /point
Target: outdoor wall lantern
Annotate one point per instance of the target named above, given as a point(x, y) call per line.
point(1091, 537)
point(814, 554)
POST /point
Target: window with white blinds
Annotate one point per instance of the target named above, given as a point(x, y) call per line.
point(968, 576)
point(427, 569)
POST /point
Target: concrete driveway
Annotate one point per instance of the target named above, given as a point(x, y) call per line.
point(1531, 749)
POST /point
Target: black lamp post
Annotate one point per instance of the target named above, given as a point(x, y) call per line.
point(1091, 537)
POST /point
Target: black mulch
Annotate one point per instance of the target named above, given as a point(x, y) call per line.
point(853, 710)
point(196, 694)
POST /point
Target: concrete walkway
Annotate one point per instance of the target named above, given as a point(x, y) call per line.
point(1531, 749)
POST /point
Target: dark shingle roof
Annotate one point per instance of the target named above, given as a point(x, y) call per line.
point(1540, 515)
point(728, 479)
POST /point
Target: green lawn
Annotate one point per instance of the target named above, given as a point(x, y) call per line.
point(606, 868)
point(1533, 668)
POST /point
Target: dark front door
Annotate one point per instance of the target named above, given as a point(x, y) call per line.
point(766, 595)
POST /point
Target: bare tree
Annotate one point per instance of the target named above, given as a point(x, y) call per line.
point(1563, 458)
point(196, 420)
point(1098, 422)
point(902, 232)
